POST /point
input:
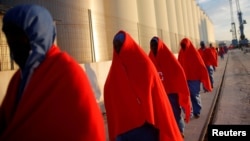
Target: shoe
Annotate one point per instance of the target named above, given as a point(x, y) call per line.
point(205, 91)
point(196, 115)
point(182, 134)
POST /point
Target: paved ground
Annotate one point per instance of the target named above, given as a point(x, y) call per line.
point(234, 100)
point(195, 128)
point(234, 105)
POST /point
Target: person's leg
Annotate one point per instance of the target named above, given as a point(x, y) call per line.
point(194, 88)
point(210, 72)
point(173, 99)
point(144, 133)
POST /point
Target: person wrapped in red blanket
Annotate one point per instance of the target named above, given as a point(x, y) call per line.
point(196, 73)
point(215, 54)
point(136, 103)
point(49, 98)
point(174, 80)
point(209, 59)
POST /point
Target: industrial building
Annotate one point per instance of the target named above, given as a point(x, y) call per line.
point(85, 28)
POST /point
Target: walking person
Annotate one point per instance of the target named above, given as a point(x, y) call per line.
point(215, 54)
point(43, 101)
point(136, 103)
point(196, 73)
point(209, 59)
point(173, 79)
point(221, 52)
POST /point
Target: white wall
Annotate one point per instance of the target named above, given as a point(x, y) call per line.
point(97, 74)
point(5, 77)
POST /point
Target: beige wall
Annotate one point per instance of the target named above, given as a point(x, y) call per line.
point(5, 77)
point(97, 74)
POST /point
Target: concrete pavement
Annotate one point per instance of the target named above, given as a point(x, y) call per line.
point(196, 127)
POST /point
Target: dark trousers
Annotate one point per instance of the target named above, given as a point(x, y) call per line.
point(146, 132)
point(174, 101)
point(194, 88)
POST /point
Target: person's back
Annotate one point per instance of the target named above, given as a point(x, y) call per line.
point(215, 54)
point(136, 104)
point(44, 101)
point(207, 54)
point(195, 74)
point(209, 59)
point(174, 80)
point(221, 52)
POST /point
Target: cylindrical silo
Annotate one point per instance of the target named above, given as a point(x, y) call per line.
point(191, 19)
point(122, 15)
point(180, 20)
point(199, 22)
point(185, 18)
point(210, 30)
point(147, 22)
point(172, 25)
point(197, 13)
point(205, 27)
point(196, 27)
point(99, 43)
point(162, 21)
point(212, 33)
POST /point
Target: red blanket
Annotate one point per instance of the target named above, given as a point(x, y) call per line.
point(215, 54)
point(208, 56)
point(193, 64)
point(134, 94)
point(57, 105)
point(173, 75)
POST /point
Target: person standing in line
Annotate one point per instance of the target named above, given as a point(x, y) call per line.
point(174, 80)
point(209, 59)
point(215, 54)
point(221, 52)
point(225, 48)
point(196, 73)
point(136, 103)
point(44, 102)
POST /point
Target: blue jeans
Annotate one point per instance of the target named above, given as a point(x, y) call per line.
point(146, 132)
point(174, 101)
point(194, 88)
point(210, 71)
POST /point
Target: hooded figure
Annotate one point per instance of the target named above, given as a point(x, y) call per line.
point(44, 101)
point(136, 103)
point(173, 79)
point(196, 73)
point(215, 54)
point(209, 59)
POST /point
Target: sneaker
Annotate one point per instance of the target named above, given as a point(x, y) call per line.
point(196, 115)
point(182, 134)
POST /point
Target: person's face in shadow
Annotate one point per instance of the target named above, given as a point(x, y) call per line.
point(202, 44)
point(118, 42)
point(117, 45)
point(154, 47)
point(183, 46)
point(18, 43)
